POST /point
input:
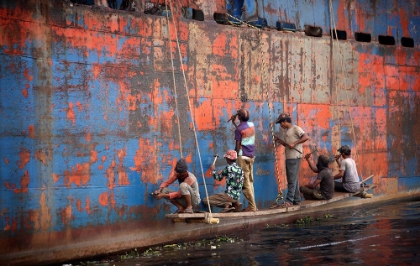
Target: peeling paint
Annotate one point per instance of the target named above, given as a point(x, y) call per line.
point(91, 122)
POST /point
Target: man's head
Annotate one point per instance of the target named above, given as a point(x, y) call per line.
point(323, 162)
point(283, 118)
point(345, 149)
point(243, 114)
point(231, 155)
point(181, 168)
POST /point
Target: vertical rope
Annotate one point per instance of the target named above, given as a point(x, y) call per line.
point(189, 104)
point(333, 25)
point(265, 88)
point(175, 90)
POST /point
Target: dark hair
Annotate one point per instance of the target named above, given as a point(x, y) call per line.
point(181, 166)
point(287, 119)
point(345, 149)
point(245, 119)
point(243, 114)
point(283, 117)
point(324, 160)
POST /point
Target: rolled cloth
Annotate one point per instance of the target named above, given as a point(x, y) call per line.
point(181, 166)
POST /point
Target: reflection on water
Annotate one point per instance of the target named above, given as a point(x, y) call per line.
point(388, 234)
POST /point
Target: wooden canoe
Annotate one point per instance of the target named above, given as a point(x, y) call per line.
point(201, 216)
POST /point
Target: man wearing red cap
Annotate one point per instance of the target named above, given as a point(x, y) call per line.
point(234, 182)
point(188, 195)
point(245, 147)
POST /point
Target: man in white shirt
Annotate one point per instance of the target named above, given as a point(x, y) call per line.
point(348, 171)
point(293, 136)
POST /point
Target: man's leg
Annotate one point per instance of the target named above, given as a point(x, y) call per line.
point(307, 192)
point(212, 200)
point(292, 168)
point(179, 203)
point(219, 200)
point(186, 194)
point(338, 186)
point(297, 198)
point(248, 186)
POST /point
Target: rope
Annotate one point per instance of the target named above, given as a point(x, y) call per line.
point(189, 104)
point(265, 88)
point(175, 90)
point(332, 23)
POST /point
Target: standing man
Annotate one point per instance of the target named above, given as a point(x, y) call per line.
point(188, 196)
point(245, 147)
point(323, 187)
point(294, 136)
point(234, 182)
point(347, 171)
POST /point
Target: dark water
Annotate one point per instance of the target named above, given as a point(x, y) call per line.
point(385, 234)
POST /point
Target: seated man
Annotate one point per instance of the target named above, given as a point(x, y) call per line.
point(347, 171)
point(188, 196)
point(234, 181)
point(325, 180)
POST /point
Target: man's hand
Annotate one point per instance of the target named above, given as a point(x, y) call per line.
point(161, 195)
point(157, 193)
point(277, 139)
point(337, 157)
point(233, 118)
point(307, 156)
point(212, 167)
point(291, 145)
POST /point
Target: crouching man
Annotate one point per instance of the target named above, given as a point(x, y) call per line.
point(188, 196)
point(323, 187)
point(229, 200)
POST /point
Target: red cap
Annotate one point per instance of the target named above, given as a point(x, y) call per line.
point(231, 154)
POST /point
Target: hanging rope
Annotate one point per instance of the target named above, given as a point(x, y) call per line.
point(175, 90)
point(189, 102)
point(266, 90)
point(333, 25)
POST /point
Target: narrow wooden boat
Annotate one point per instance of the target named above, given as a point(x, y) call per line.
point(206, 216)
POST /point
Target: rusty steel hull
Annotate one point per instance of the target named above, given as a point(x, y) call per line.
point(90, 103)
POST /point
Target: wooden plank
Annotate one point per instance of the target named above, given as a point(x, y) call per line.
point(233, 214)
point(367, 178)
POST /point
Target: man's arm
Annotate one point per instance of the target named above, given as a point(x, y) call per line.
point(314, 184)
point(302, 139)
point(311, 164)
point(164, 184)
point(279, 140)
point(220, 174)
point(337, 159)
point(339, 175)
point(233, 119)
point(238, 146)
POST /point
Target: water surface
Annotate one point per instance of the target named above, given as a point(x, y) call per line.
point(380, 234)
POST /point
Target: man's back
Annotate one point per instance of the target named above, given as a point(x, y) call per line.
point(327, 183)
point(245, 132)
point(351, 180)
point(234, 180)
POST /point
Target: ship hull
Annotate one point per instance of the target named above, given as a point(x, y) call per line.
point(91, 99)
